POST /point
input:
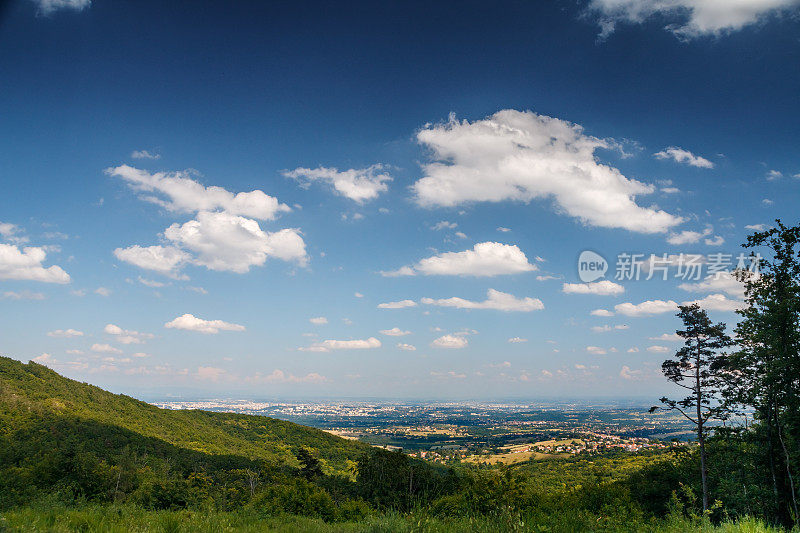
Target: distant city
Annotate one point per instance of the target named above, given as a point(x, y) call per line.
point(493, 432)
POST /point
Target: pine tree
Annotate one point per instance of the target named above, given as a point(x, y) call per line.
point(696, 367)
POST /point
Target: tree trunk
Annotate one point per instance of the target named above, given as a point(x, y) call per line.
point(700, 437)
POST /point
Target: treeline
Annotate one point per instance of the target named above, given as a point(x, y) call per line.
point(743, 391)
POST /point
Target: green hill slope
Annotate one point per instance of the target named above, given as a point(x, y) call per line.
point(62, 435)
point(34, 391)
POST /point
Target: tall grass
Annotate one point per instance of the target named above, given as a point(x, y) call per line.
point(58, 518)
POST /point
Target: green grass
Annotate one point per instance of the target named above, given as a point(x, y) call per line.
point(125, 518)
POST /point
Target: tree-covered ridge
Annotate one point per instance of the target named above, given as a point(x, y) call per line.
point(32, 393)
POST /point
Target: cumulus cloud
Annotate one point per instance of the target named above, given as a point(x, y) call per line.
point(8, 229)
point(718, 302)
point(166, 260)
point(406, 347)
point(649, 307)
point(602, 288)
point(402, 304)
point(47, 7)
point(720, 282)
point(689, 18)
point(223, 241)
point(522, 156)
point(104, 348)
point(190, 322)
point(180, 193)
point(126, 336)
point(688, 237)
point(673, 337)
point(486, 259)
point(318, 321)
point(679, 155)
point(444, 224)
point(657, 349)
point(601, 312)
point(496, 300)
point(65, 333)
point(596, 350)
point(357, 344)
point(395, 332)
point(450, 341)
point(516, 340)
point(359, 185)
point(144, 154)
point(757, 227)
point(631, 375)
point(26, 264)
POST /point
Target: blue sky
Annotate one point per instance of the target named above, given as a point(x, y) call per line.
point(186, 186)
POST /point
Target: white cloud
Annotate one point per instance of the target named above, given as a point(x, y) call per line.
point(402, 304)
point(501, 229)
point(7, 229)
point(358, 295)
point(672, 337)
point(228, 242)
point(406, 347)
point(603, 288)
point(22, 295)
point(126, 336)
point(279, 376)
point(523, 156)
point(65, 333)
point(104, 348)
point(151, 283)
point(166, 260)
point(631, 375)
point(679, 155)
point(357, 344)
point(185, 195)
point(601, 312)
point(450, 341)
point(773, 175)
point(190, 322)
point(596, 350)
point(495, 300)
point(606, 328)
point(690, 18)
point(688, 237)
point(717, 302)
point(359, 185)
point(633, 350)
point(210, 373)
point(515, 340)
point(657, 349)
point(486, 259)
point(718, 240)
point(402, 271)
point(757, 227)
point(720, 282)
point(47, 7)
point(444, 224)
point(318, 321)
point(144, 154)
point(102, 291)
point(650, 307)
point(26, 264)
point(394, 332)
